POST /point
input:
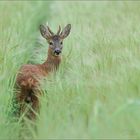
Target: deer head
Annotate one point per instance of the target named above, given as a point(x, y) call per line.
point(55, 40)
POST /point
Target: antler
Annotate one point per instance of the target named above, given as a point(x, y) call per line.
point(59, 29)
point(50, 30)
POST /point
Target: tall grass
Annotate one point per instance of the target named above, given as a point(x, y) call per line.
point(18, 32)
point(95, 93)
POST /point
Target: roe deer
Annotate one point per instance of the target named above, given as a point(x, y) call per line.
point(29, 75)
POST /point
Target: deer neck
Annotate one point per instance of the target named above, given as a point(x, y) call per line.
point(52, 62)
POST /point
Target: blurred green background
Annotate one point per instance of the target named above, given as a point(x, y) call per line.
point(96, 92)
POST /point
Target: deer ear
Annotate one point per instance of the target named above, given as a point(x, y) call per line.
point(65, 32)
point(44, 32)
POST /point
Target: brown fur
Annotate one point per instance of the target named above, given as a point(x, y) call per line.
point(29, 76)
point(28, 82)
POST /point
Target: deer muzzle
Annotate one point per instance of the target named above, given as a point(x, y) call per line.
point(57, 51)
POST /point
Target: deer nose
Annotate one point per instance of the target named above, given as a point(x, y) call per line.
point(57, 51)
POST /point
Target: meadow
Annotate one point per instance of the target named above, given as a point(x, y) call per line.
point(96, 92)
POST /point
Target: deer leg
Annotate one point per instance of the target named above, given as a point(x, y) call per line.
point(35, 104)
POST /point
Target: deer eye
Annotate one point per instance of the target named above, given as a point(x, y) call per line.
point(50, 43)
point(61, 42)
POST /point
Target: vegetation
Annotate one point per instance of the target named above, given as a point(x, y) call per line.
point(96, 92)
